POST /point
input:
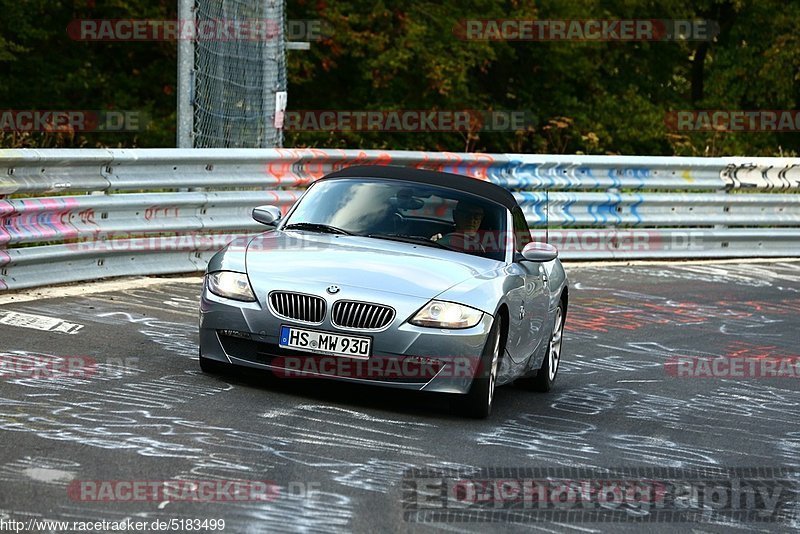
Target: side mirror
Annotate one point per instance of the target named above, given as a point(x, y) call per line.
point(269, 215)
point(539, 252)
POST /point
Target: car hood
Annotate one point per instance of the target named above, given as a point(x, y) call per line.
point(367, 263)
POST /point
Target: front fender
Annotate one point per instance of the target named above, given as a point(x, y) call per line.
point(557, 281)
point(232, 257)
point(486, 292)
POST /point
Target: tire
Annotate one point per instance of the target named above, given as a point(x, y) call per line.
point(478, 402)
point(213, 367)
point(544, 379)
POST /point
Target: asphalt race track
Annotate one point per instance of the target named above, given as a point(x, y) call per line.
point(638, 388)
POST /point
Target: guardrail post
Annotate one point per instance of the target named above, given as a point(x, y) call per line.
point(725, 209)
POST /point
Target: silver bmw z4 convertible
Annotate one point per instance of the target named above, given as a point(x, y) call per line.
point(398, 277)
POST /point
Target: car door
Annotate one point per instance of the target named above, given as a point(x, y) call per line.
point(527, 303)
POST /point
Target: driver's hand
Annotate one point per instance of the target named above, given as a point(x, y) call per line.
point(436, 237)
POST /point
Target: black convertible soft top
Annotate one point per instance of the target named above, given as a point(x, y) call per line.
point(459, 182)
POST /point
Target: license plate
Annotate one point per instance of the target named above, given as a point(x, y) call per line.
point(325, 342)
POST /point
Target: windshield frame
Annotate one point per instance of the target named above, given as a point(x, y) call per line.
point(509, 245)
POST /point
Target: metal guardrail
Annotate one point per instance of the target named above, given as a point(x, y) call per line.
point(70, 215)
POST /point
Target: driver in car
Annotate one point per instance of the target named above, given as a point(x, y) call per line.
point(467, 218)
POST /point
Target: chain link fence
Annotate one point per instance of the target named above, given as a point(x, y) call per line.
point(236, 80)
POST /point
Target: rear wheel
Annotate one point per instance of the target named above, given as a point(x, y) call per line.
point(544, 379)
point(478, 402)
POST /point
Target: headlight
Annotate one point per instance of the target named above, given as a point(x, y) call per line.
point(439, 314)
point(230, 285)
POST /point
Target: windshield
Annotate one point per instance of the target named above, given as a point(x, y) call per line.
point(403, 211)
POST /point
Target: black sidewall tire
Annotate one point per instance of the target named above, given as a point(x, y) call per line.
point(477, 404)
point(541, 382)
point(212, 367)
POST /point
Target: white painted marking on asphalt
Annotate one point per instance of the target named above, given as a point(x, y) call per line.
point(575, 527)
point(41, 474)
point(135, 304)
point(638, 381)
point(55, 471)
point(673, 262)
point(39, 322)
point(543, 529)
point(91, 288)
point(178, 338)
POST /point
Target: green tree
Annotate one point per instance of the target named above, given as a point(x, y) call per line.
point(584, 97)
point(44, 69)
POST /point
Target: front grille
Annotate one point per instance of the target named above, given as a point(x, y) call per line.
point(361, 315)
point(297, 306)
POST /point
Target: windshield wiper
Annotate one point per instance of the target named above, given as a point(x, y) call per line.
point(317, 227)
point(413, 239)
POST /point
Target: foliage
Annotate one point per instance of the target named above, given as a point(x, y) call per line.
point(43, 69)
point(586, 97)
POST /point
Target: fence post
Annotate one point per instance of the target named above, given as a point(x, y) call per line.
point(185, 77)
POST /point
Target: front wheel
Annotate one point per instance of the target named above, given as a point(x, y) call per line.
point(213, 367)
point(478, 402)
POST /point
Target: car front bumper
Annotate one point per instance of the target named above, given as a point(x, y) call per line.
point(403, 355)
